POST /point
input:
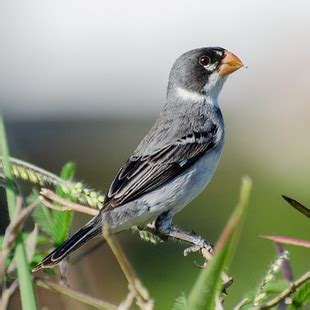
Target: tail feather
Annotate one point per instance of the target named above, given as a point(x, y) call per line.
point(86, 233)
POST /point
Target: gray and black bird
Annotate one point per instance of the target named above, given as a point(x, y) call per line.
point(175, 160)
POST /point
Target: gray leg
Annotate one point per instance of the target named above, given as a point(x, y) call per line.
point(165, 229)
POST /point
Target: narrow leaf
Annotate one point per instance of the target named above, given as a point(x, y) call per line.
point(41, 215)
point(208, 286)
point(288, 240)
point(180, 303)
point(297, 205)
point(28, 298)
point(30, 244)
point(302, 297)
point(62, 219)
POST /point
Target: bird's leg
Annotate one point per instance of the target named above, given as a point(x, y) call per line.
point(164, 228)
point(197, 241)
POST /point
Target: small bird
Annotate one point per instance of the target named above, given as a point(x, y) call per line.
point(175, 160)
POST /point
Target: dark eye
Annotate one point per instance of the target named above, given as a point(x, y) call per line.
point(204, 60)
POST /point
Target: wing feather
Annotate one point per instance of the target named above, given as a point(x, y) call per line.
point(142, 174)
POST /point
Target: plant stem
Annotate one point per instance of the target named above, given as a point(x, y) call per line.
point(28, 297)
point(135, 285)
point(287, 292)
point(97, 303)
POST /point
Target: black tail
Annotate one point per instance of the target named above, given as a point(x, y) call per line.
point(90, 230)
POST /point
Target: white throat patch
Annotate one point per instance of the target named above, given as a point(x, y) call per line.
point(212, 90)
point(214, 85)
point(189, 95)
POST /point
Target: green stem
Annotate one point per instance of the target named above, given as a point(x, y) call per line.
point(28, 297)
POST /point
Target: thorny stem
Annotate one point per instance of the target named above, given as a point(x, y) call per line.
point(92, 301)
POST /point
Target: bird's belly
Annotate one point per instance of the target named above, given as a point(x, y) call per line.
point(172, 196)
point(179, 192)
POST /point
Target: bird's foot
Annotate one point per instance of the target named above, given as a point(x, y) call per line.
point(198, 243)
point(199, 246)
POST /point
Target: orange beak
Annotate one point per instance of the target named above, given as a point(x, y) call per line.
point(229, 64)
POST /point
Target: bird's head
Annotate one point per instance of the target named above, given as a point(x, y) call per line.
point(203, 71)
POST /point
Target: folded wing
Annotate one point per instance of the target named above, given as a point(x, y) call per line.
point(142, 174)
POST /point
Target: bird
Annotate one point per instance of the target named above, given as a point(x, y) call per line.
point(176, 159)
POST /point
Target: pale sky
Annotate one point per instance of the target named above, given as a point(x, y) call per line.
point(100, 58)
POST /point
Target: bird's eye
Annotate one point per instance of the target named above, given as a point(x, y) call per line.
point(204, 60)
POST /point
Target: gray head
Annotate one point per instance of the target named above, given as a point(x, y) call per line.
point(202, 71)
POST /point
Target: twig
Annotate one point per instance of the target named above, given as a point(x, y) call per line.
point(141, 294)
point(242, 303)
point(68, 205)
point(92, 301)
point(286, 293)
point(126, 304)
point(11, 232)
point(7, 294)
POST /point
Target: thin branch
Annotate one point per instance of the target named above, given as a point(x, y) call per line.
point(286, 293)
point(242, 303)
point(126, 304)
point(68, 205)
point(141, 293)
point(92, 301)
point(11, 232)
point(7, 293)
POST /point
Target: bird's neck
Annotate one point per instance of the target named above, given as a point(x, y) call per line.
point(188, 98)
point(208, 95)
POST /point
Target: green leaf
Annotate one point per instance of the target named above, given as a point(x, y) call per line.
point(42, 216)
point(27, 293)
point(301, 297)
point(209, 283)
point(276, 286)
point(63, 219)
point(180, 303)
point(30, 245)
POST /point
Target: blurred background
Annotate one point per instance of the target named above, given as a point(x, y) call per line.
point(84, 80)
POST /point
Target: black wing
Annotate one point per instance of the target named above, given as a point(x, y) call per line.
point(142, 174)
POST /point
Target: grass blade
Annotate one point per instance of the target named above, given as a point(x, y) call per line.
point(28, 298)
point(208, 285)
point(62, 219)
point(288, 240)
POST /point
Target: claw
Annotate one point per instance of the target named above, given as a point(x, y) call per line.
point(203, 244)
